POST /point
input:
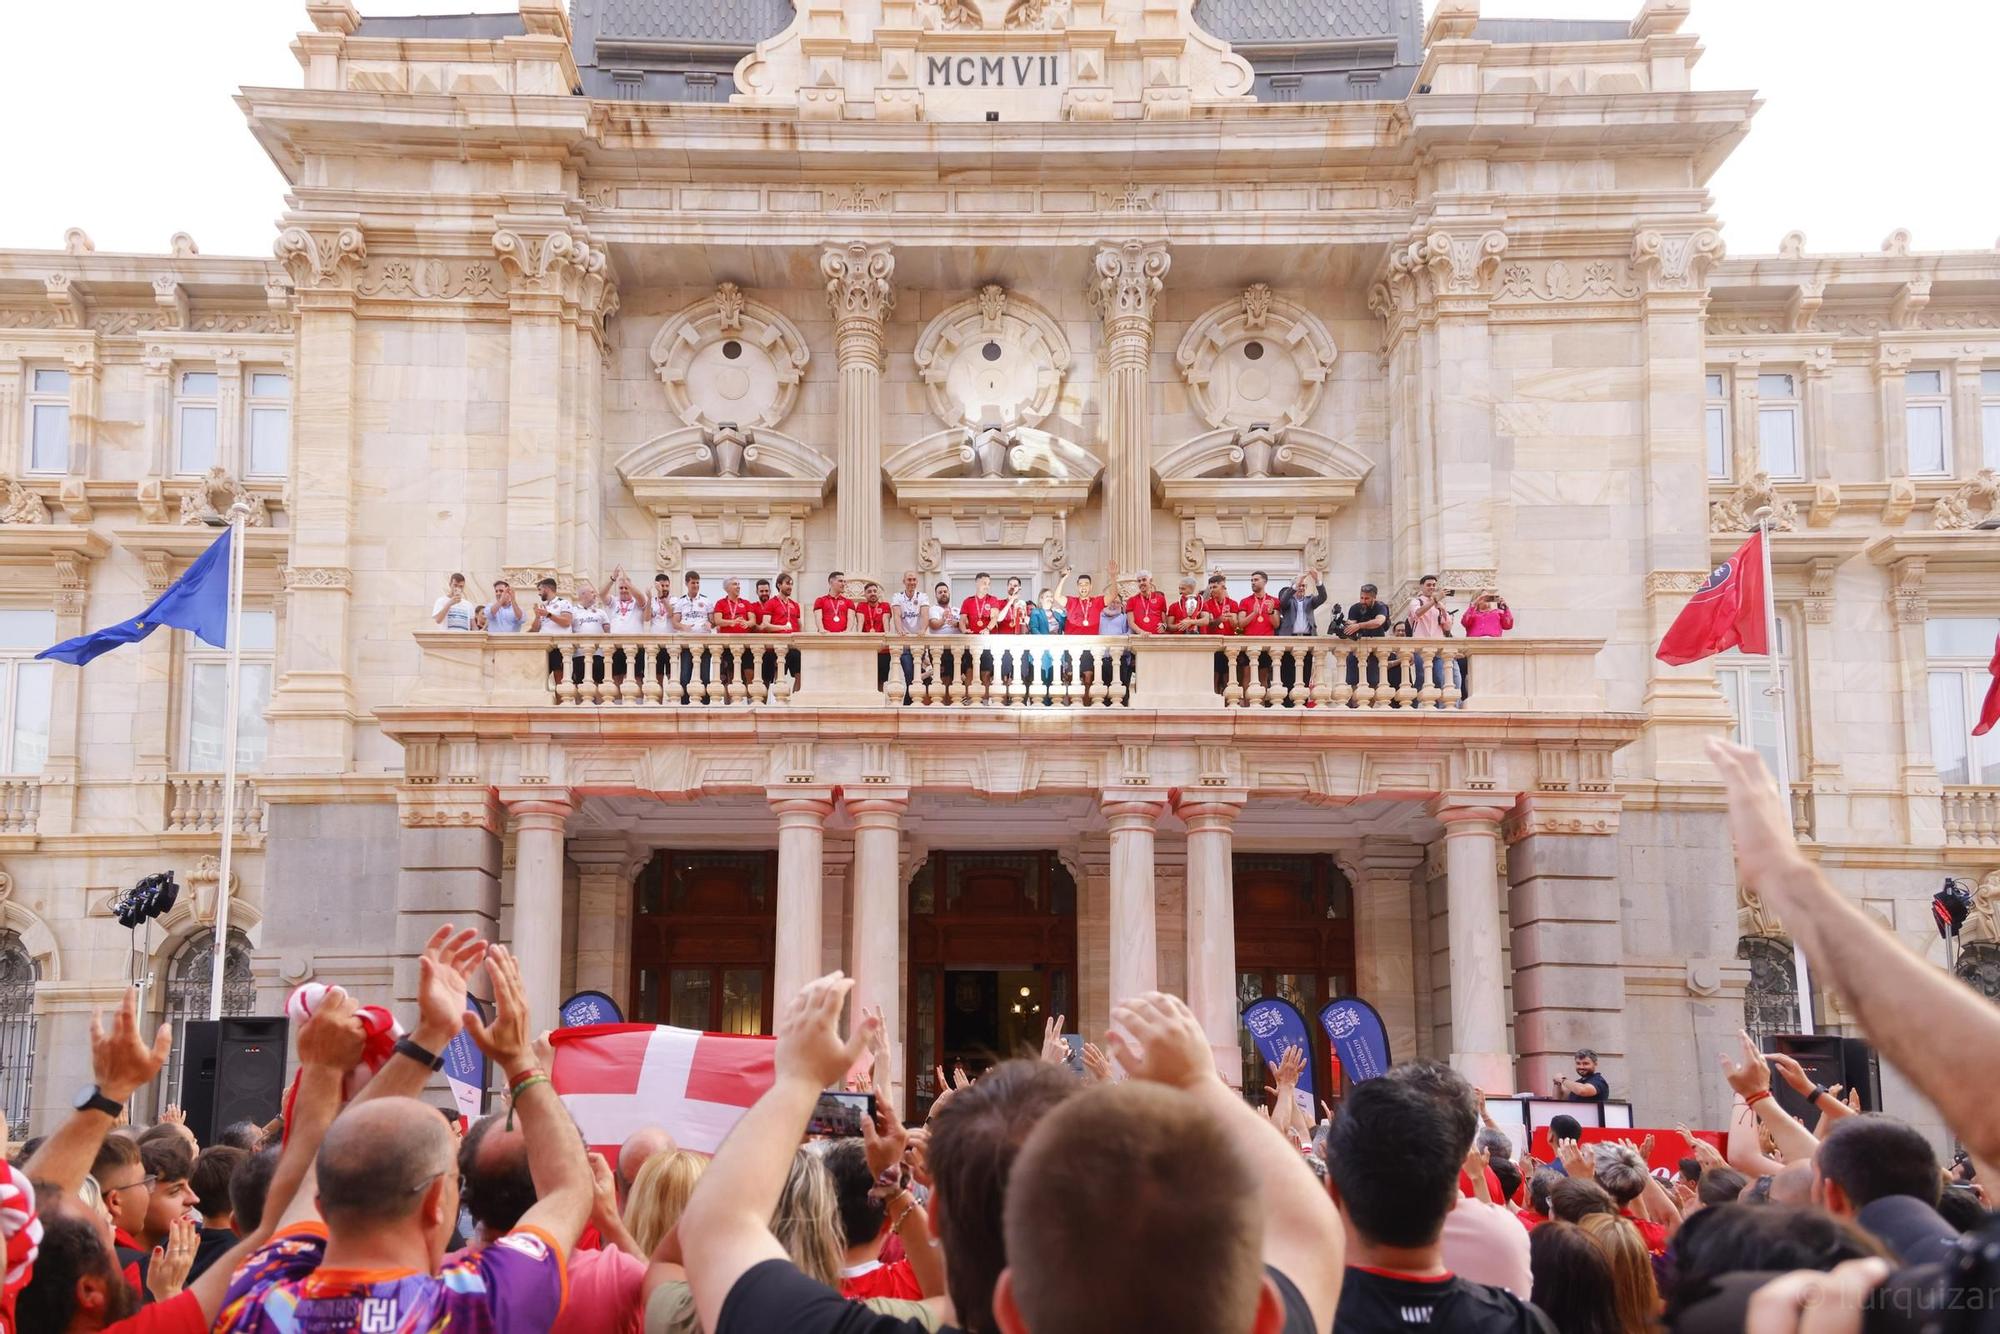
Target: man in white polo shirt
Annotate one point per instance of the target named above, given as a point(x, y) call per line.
point(693, 615)
point(552, 615)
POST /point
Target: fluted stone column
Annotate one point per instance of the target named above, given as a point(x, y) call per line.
point(801, 813)
point(1210, 816)
point(860, 292)
point(1478, 992)
point(1125, 283)
point(1132, 816)
point(539, 818)
point(877, 891)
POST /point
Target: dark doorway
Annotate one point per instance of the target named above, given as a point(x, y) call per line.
point(704, 935)
point(992, 956)
point(1295, 940)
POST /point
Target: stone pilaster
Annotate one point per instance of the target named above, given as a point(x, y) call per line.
point(877, 896)
point(1461, 265)
point(860, 293)
point(538, 253)
point(1210, 816)
point(603, 940)
point(1132, 816)
point(1388, 967)
point(1472, 890)
point(1125, 282)
point(801, 812)
point(1909, 608)
point(449, 870)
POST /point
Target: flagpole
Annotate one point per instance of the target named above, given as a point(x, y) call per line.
point(219, 960)
point(1783, 749)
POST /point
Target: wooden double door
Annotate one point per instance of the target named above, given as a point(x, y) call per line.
point(704, 941)
point(1294, 940)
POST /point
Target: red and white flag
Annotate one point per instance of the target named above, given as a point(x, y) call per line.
point(618, 1078)
point(1725, 612)
point(1989, 712)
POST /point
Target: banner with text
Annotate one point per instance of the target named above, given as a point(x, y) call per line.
point(1274, 1025)
point(1359, 1040)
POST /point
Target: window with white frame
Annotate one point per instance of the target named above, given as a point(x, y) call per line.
point(1959, 649)
point(24, 712)
point(1746, 684)
point(1715, 423)
point(48, 419)
point(1778, 424)
point(195, 394)
point(1989, 416)
point(206, 713)
point(267, 424)
point(1927, 419)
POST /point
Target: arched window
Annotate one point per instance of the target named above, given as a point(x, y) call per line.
point(1771, 1002)
point(187, 994)
point(18, 974)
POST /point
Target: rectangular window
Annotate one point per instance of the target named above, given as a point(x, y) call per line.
point(26, 683)
point(1715, 420)
point(1746, 685)
point(1927, 413)
point(1778, 425)
point(1959, 649)
point(207, 713)
point(267, 424)
point(194, 422)
point(48, 421)
point(1989, 417)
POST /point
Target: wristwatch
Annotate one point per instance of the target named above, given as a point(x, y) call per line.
point(90, 1098)
point(415, 1051)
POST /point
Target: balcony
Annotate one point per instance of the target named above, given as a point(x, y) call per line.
point(194, 805)
point(1006, 672)
point(1972, 817)
point(20, 804)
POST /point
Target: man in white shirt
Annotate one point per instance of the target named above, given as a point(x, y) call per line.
point(907, 614)
point(552, 615)
point(625, 608)
point(453, 611)
point(692, 616)
point(590, 617)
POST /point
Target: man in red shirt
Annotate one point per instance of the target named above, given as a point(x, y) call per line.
point(1147, 607)
point(833, 608)
point(873, 614)
point(1012, 620)
point(1184, 613)
point(734, 615)
point(1258, 615)
point(1081, 614)
point(780, 616)
point(977, 617)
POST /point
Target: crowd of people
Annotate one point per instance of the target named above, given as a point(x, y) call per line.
point(1144, 1195)
point(1142, 609)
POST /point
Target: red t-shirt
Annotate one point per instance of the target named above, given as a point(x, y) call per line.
point(1222, 615)
point(1080, 614)
point(783, 614)
point(180, 1314)
point(1147, 610)
point(874, 616)
point(977, 613)
point(1013, 618)
point(736, 609)
point(891, 1280)
point(832, 610)
point(1653, 1234)
point(1182, 614)
point(1262, 609)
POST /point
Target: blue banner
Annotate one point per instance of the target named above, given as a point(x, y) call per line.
point(589, 1007)
point(465, 1068)
point(1359, 1040)
point(1275, 1025)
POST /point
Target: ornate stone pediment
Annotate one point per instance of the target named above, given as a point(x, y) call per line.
point(1259, 359)
point(994, 360)
point(1955, 511)
point(705, 468)
point(1737, 511)
point(218, 492)
point(1259, 488)
point(965, 470)
point(730, 360)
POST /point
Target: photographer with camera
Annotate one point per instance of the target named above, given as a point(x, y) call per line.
point(1429, 617)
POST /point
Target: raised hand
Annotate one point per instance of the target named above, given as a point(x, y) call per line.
point(1752, 1075)
point(1646, 1150)
point(603, 1192)
point(506, 1040)
point(1096, 1064)
point(1793, 1072)
point(167, 1274)
point(1760, 823)
point(884, 1137)
point(1575, 1161)
point(332, 1036)
point(120, 1060)
point(1289, 1064)
point(442, 973)
point(1474, 1165)
point(1157, 1037)
point(810, 1048)
point(172, 1115)
point(1054, 1050)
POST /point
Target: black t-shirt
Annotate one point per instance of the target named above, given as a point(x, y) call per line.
point(1361, 612)
point(1372, 1302)
point(1596, 1081)
point(774, 1296)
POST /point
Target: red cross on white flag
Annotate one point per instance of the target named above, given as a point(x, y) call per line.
point(619, 1078)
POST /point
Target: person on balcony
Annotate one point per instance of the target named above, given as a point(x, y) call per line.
point(941, 619)
point(589, 617)
point(693, 615)
point(977, 616)
point(453, 610)
point(1116, 623)
point(907, 613)
point(503, 614)
point(1257, 615)
point(552, 615)
point(781, 616)
point(1487, 617)
point(1147, 606)
point(1298, 604)
point(1224, 618)
point(873, 615)
point(1429, 616)
point(834, 607)
point(626, 611)
point(1045, 618)
point(734, 615)
point(1184, 613)
point(1366, 619)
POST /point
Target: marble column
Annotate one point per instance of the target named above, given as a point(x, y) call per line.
point(538, 253)
point(1210, 816)
point(539, 817)
point(860, 292)
point(1478, 995)
point(1131, 816)
point(1125, 283)
point(801, 813)
point(1389, 967)
point(876, 891)
point(602, 945)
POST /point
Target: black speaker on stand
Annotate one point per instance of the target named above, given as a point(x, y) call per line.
point(1827, 1059)
point(232, 1070)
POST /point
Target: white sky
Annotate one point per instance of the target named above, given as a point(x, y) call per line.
point(1876, 116)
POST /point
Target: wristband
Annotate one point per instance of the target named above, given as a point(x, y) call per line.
point(1756, 1097)
point(525, 1078)
point(901, 1218)
point(419, 1053)
point(515, 1091)
point(1818, 1091)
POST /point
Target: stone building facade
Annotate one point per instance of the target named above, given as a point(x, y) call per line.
point(1020, 288)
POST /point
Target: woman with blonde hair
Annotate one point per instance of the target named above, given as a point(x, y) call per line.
point(1631, 1270)
point(659, 1193)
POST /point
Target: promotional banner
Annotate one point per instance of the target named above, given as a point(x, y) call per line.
point(1360, 1042)
point(1275, 1025)
point(465, 1069)
point(589, 1007)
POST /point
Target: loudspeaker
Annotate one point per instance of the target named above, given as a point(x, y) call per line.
point(232, 1070)
point(1827, 1059)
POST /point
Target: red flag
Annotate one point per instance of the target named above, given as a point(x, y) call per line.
point(618, 1078)
point(1726, 612)
point(1989, 712)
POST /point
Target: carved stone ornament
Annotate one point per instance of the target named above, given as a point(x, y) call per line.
point(431, 279)
point(730, 361)
point(1982, 921)
point(1956, 511)
point(859, 281)
point(218, 493)
point(1461, 263)
point(329, 258)
point(993, 15)
point(993, 361)
point(724, 452)
point(1676, 261)
point(23, 506)
point(1753, 918)
point(1259, 360)
point(318, 576)
point(1126, 278)
point(1736, 512)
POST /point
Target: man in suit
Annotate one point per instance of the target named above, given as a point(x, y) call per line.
point(1298, 604)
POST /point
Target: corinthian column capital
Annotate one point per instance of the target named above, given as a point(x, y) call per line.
point(859, 280)
point(1125, 282)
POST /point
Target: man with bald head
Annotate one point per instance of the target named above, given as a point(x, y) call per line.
point(385, 1187)
point(640, 1145)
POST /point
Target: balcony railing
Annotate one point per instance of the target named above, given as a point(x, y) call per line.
point(194, 805)
point(20, 804)
point(1972, 817)
point(1041, 672)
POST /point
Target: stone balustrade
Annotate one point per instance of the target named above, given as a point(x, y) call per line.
point(194, 805)
point(20, 805)
point(1972, 817)
point(1006, 671)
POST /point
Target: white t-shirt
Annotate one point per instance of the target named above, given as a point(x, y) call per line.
point(941, 620)
point(557, 606)
point(694, 613)
point(663, 615)
point(628, 615)
point(591, 620)
point(457, 614)
point(910, 612)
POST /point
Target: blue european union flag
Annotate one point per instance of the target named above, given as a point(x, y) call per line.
point(197, 601)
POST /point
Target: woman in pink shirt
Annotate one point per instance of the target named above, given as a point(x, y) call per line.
point(1487, 617)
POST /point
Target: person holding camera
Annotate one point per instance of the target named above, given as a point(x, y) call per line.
point(1429, 617)
point(1487, 617)
point(453, 610)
